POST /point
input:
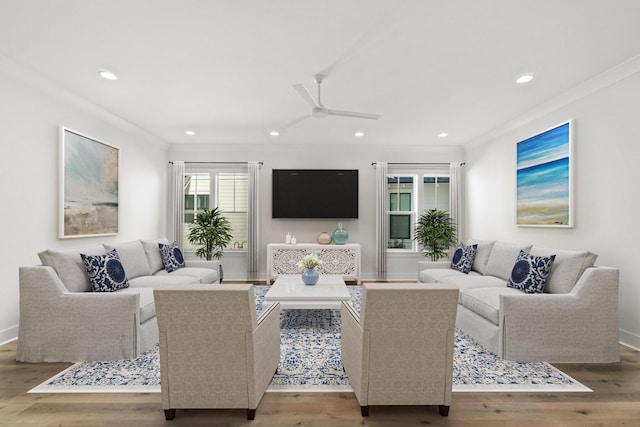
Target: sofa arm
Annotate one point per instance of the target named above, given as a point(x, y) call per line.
point(354, 345)
point(61, 326)
point(424, 265)
point(203, 263)
point(267, 346)
point(581, 326)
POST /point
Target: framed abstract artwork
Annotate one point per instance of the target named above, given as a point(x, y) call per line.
point(544, 179)
point(88, 186)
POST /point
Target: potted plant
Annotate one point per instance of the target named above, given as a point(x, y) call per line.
point(212, 230)
point(436, 232)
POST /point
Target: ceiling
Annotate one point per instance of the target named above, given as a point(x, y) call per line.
point(226, 69)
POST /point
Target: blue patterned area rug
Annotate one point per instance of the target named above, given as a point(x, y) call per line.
point(310, 361)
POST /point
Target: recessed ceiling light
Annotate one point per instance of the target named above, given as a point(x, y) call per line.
point(108, 75)
point(359, 134)
point(274, 133)
point(190, 132)
point(443, 134)
point(525, 78)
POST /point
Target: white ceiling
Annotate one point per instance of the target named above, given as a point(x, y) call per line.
point(225, 69)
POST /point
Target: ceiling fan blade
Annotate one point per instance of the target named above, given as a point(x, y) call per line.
point(353, 114)
point(295, 122)
point(306, 95)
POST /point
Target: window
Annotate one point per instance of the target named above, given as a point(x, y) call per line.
point(196, 195)
point(228, 191)
point(401, 213)
point(435, 192)
point(233, 200)
point(409, 195)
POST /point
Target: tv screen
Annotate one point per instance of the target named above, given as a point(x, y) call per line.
point(315, 193)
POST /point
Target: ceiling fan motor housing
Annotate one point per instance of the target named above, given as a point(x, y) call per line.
point(319, 112)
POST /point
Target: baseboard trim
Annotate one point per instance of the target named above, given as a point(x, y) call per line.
point(630, 339)
point(8, 335)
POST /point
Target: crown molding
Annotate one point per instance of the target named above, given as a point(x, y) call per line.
point(40, 82)
point(608, 78)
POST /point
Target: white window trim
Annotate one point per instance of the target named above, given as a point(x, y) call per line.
point(213, 197)
point(418, 199)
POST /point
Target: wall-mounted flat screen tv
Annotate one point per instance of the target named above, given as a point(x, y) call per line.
point(315, 193)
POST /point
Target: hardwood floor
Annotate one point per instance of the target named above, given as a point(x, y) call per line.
point(615, 401)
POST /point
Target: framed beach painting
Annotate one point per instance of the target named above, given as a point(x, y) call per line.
point(544, 179)
point(88, 186)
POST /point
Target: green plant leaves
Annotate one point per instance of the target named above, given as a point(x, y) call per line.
point(212, 230)
point(436, 232)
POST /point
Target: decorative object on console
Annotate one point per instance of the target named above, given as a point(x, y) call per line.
point(105, 271)
point(310, 275)
point(212, 230)
point(287, 239)
point(543, 179)
point(340, 235)
point(463, 257)
point(88, 186)
point(171, 256)
point(324, 238)
point(530, 272)
point(436, 232)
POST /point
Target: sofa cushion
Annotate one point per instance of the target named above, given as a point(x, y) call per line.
point(530, 272)
point(486, 301)
point(171, 256)
point(161, 280)
point(567, 267)
point(502, 259)
point(473, 280)
point(132, 257)
point(463, 258)
point(482, 255)
point(147, 305)
point(106, 273)
point(198, 275)
point(69, 267)
point(152, 250)
point(435, 275)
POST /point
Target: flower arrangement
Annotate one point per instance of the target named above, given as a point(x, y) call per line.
point(309, 261)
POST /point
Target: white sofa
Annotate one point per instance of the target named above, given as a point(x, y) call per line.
point(61, 319)
point(575, 319)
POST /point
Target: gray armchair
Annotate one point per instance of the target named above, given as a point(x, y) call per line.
point(214, 351)
point(399, 349)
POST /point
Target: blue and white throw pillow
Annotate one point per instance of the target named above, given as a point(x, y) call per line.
point(105, 271)
point(530, 272)
point(171, 256)
point(463, 257)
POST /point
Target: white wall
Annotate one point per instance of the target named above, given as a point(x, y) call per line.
point(328, 156)
point(31, 111)
point(606, 114)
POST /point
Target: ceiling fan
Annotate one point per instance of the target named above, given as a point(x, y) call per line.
point(318, 110)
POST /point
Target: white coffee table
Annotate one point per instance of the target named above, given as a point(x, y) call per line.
point(291, 292)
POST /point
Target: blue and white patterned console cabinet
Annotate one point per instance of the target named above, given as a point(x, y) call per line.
point(342, 260)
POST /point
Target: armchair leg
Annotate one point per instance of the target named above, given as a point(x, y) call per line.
point(251, 414)
point(169, 414)
point(444, 410)
point(364, 410)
